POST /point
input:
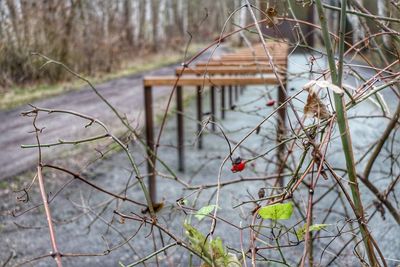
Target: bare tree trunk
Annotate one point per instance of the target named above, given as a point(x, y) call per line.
point(128, 22)
point(25, 20)
point(142, 19)
point(177, 16)
point(355, 21)
point(184, 12)
point(242, 19)
point(162, 12)
point(14, 20)
point(311, 35)
point(155, 5)
point(383, 12)
point(67, 33)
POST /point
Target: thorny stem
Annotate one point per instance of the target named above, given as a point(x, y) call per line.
point(344, 127)
point(56, 253)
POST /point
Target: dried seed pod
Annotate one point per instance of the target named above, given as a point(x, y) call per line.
point(272, 19)
point(261, 193)
point(156, 207)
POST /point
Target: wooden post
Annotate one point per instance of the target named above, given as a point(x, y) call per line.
point(151, 160)
point(199, 118)
point(212, 102)
point(223, 102)
point(181, 138)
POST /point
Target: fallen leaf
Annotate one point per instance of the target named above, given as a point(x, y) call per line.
point(204, 211)
point(314, 108)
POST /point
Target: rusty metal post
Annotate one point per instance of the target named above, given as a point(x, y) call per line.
point(181, 138)
point(236, 92)
point(310, 37)
point(212, 102)
point(281, 130)
point(151, 160)
point(199, 118)
point(223, 102)
point(230, 96)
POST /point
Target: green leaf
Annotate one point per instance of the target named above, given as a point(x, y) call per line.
point(213, 250)
point(204, 211)
point(196, 239)
point(280, 211)
point(315, 227)
point(217, 247)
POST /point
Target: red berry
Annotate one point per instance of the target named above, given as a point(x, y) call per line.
point(238, 167)
point(271, 102)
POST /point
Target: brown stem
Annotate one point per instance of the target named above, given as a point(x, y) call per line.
point(56, 253)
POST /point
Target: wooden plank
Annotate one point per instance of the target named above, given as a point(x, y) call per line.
point(228, 70)
point(252, 56)
point(259, 46)
point(253, 59)
point(257, 54)
point(277, 52)
point(214, 80)
point(238, 63)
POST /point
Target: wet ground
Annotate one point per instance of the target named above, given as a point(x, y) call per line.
point(84, 225)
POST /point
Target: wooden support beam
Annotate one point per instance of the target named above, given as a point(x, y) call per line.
point(226, 70)
point(230, 96)
point(222, 102)
point(248, 60)
point(236, 93)
point(238, 63)
point(281, 130)
point(279, 58)
point(257, 54)
point(214, 80)
point(151, 160)
point(199, 117)
point(212, 103)
point(180, 128)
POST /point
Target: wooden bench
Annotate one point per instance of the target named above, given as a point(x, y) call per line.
point(179, 82)
point(245, 67)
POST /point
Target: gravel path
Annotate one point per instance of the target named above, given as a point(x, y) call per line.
point(124, 93)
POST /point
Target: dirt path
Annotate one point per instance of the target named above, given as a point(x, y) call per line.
point(124, 93)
